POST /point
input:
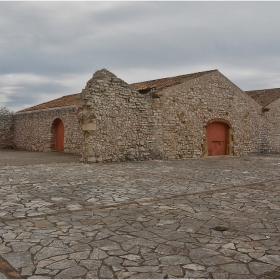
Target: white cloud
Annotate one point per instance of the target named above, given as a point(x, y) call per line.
point(20, 91)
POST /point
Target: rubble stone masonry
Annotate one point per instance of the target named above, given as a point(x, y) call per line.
point(6, 131)
point(121, 124)
point(33, 130)
point(112, 121)
point(186, 109)
point(270, 137)
point(117, 121)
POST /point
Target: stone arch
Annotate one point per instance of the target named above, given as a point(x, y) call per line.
point(218, 137)
point(57, 131)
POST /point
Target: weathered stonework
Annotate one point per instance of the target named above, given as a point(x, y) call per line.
point(6, 131)
point(133, 126)
point(270, 137)
point(117, 121)
point(34, 131)
point(168, 118)
point(187, 108)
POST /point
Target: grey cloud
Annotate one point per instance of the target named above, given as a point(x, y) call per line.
point(29, 94)
point(68, 38)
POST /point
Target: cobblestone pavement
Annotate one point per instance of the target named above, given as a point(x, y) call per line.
point(216, 217)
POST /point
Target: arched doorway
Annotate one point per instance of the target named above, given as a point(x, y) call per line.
point(58, 135)
point(217, 138)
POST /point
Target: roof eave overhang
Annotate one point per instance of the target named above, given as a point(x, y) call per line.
point(45, 110)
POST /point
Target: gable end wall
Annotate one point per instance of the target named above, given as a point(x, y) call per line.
point(187, 108)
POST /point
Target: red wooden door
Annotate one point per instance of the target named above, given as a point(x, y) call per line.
point(216, 134)
point(59, 132)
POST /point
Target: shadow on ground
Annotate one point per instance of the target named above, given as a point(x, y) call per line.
point(19, 157)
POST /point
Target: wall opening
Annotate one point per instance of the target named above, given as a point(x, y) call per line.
point(57, 135)
point(218, 140)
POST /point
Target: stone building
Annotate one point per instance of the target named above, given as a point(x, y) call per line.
point(187, 116)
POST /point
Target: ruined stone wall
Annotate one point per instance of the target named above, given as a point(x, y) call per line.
point(271, 129)
point(34, 131)
point(6, 131)
point(188, 107)
point(117, 121)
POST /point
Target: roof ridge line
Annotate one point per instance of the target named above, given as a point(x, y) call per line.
point(205, 72)
point(262, 89)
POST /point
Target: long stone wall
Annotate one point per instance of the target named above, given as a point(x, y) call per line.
point(34, 130)
point(6, 131)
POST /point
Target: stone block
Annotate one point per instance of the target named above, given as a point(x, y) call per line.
point(89, 126)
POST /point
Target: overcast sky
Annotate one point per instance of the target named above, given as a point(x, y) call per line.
point(51, 49)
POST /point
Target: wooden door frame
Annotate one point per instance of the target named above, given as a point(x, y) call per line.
point(230, 151)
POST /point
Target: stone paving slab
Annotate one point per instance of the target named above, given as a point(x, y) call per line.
point(216, 217)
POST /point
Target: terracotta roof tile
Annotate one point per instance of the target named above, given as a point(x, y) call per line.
point(160, 84)
point(264, 96)
point(59, 102)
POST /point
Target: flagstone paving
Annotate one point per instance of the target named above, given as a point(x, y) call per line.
point(215, 217)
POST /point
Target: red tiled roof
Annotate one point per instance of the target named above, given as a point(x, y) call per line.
point(264, 96)
point(160, 84)
point(59, 102)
